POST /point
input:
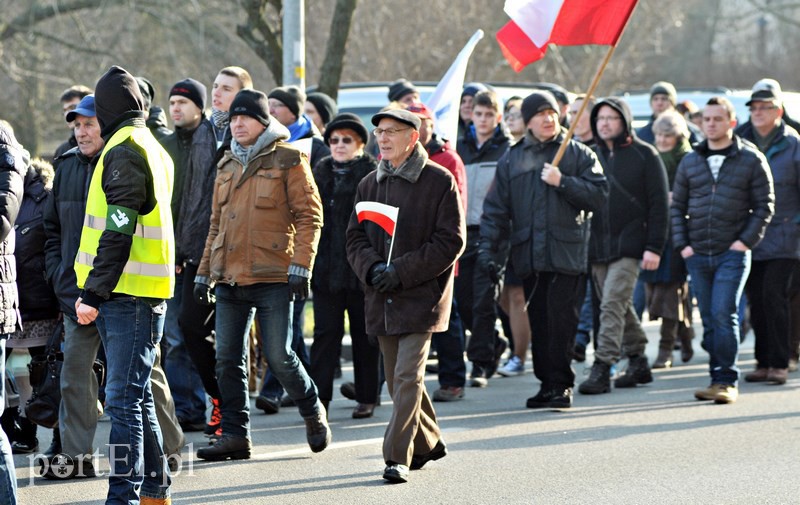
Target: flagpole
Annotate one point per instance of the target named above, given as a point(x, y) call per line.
point(391, 246)
point(590, 92)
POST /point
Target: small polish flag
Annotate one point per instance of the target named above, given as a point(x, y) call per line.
point(381, 214)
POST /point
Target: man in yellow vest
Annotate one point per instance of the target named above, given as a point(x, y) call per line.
point(125, 268)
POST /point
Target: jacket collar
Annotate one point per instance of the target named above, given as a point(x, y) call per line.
point(409, 170)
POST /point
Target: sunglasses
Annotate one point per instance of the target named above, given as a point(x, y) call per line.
point(344, 140)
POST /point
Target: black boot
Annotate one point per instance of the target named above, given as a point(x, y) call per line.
point(55, 445)
point(25, 441)
point(599, 380)
point(226, 447)
point(638, 372)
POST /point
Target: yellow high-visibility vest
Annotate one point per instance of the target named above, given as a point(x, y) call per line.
point(150, 270)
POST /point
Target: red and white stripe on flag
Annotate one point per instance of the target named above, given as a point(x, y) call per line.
point(536, 23)
point(381, 214)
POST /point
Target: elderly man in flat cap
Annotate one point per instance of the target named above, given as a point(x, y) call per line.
point(408, 278)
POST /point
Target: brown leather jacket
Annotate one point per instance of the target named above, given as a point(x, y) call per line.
point(262, 219)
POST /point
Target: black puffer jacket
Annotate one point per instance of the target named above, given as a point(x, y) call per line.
point(36, 298)
point(711, 215)
point(635, 216)
point(547, 227)
point(337, 185)
point(63, 223)
point(14, 161)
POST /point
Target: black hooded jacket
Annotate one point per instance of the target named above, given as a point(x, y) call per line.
point(634, 218)
point(36, 298)
point(127, 180)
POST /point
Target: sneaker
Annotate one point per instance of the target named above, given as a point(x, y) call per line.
point(395, 473)
point(758, 375)
point(216, 419)
point(348, 390)
point(226, 447)
point(268, 405)
point(318, 433)
point(599, 380)
point(448, 394)
point(727, 393)
point(551, 398)
point(708, 393)
point(638, 372)
point(512, 368)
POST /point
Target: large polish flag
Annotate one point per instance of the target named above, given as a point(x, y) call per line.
point(536, 23)
point(381, 214)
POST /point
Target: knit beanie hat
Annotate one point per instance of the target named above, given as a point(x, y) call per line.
point(665, 88)
point(473, 88)
point(191, 89)
point(253, 103)
point(116, 93)
point(400, 88)
point(291, 96)
point(536, 102)
point(147, 90)
point(326, 107)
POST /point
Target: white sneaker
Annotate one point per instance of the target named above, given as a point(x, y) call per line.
point(512, 368)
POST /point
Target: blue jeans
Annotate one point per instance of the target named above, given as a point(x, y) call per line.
point(585, 318)
point(450, 352)
point(130, 329)
point(272, 387)
point(718, 281)
point(184, 381)
point(8, 479)
point(237, 306)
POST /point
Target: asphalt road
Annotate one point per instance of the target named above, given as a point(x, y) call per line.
point(652, 445)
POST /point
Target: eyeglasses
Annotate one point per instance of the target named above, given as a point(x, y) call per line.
point(390, 132)
point(762, 108)
point(513, 116)
point(344, 140)
point(609, 119)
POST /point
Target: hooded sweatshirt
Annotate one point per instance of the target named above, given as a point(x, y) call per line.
point(635, 215)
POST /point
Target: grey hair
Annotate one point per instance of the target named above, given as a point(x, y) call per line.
point(671, 122)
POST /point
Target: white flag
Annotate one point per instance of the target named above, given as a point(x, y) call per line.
point(446, 98)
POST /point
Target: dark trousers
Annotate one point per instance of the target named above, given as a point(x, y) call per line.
point(555, 301)
point(450, 352)
point(272, 387)
point(768, 289)
point(475, 293)
point(329, 310)
point(197, 324)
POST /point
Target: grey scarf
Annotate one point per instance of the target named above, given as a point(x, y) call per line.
point(409, 170)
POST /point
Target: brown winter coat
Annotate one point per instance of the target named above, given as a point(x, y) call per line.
point(429, 237)
point(263, 219)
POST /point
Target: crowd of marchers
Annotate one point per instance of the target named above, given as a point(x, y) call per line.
point(182, 260)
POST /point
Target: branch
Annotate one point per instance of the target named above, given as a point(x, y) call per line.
point(37, 13)
point(331, 70)
point(268, 47)
point(68, 45)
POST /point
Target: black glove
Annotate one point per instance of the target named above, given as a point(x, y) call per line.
point(388, 280)
point(203, 293)
point(299, 286)
point(487, 263)
point(375, 272)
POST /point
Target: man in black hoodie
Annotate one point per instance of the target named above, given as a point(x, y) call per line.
point(125, 268)
point(628, 232)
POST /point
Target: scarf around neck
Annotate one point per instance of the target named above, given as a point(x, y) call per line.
point(299, 129)
point(410, 169)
